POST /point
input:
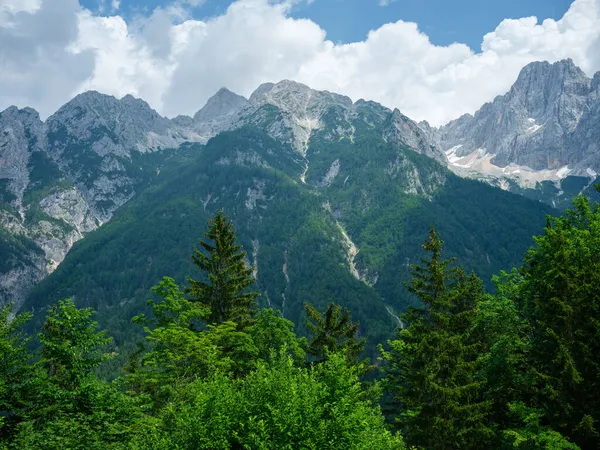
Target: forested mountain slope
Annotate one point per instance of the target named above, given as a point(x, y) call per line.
point(343, 227)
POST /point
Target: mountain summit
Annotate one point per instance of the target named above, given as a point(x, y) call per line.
point(546, 122)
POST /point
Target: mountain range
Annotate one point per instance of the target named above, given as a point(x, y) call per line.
point(544, 130)
point(331, 197)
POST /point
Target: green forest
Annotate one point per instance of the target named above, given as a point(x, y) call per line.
point(470, 368)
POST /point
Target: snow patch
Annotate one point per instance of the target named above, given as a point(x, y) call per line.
point(591, 172)
point(563, 172)
point(478, 164)
point(451, 154)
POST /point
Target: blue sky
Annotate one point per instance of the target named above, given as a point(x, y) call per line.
point(444, 21)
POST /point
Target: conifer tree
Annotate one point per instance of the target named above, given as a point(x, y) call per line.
point(228, 276)
point(16, 370)
point(560, 301)
point(432, 364)
point(333, 331)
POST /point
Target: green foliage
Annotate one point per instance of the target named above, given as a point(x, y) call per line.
point(504, 338)
point(532, 435)
point(71, 346)
point(96, 416)
point(278, 406)
point(179, 352)
point(559, 297)
point(333, 332)
point(432, 364)
point(228, 276)
point(62, 403)
point(272, 333)
point(15, 368)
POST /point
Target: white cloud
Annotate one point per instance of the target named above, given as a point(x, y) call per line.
point(36, 67)
point(176, 63)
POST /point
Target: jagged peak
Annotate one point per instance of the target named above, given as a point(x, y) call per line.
point(23, 113)
point(223, 103)
point(294, 96)
point(596, 81)
point(94, 98)
point(539, 71)
point(14, 110)
point(91, 96)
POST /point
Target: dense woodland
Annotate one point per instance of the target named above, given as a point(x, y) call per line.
point(468, 369)
point(294, 225)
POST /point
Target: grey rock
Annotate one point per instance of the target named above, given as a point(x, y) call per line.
point(223, 104)
point(403, 131)
point(21, 133)
point(546, 121)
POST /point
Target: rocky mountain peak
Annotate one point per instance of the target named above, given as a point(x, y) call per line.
point(21, 132)
point(405, 132)
point(595, 85)
point(530, 127)
point(116, 126)
point(297, 98)
point(223, 104)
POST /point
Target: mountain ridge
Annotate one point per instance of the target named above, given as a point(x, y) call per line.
point(533, 126)
point(96, 152)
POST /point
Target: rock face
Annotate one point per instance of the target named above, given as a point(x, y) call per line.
point(547, 121)
point(65, 177)
point(21, 133)
point(224, 104)
point(403, 131)
point(293, 113)
point(95, 138)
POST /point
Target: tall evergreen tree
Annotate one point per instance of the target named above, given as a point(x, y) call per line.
point(432, 364)
point(16, 370)
point(333, 331)
point(228, 276)
point(560, 301)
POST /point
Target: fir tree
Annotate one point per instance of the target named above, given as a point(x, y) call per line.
point(229, 275)
point(560, 301)
point(16, 370)
point(333, 332)
point(432, 364)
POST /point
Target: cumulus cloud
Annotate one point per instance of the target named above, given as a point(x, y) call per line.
point(37, 68)
point(176, 63)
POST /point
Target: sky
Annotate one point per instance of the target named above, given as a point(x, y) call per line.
point(433, 59)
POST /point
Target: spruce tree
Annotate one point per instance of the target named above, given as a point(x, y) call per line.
point(333, 331)
point(16, 370)
point(432, 364)
point(560, 302)
point(228, 276)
